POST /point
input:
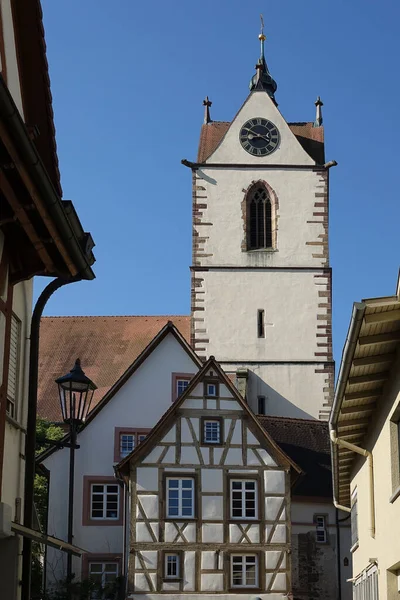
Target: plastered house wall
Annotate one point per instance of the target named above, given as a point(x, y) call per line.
point(138, 404)
point(385, 546)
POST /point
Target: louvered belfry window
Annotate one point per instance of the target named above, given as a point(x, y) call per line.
point(13, 366)
point(260, 219)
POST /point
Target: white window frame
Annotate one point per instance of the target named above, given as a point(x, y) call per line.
point(209, 394)
point(254, 585)
point(185, 382)
point(105, 494)
point(122, 452)
point(94, 595)
point(181, 489)
point(205, 438)
point(366, 586)
point(13, 367)
point(320, 526)
point(354, 520)
point(243, 491)
point(177, 561)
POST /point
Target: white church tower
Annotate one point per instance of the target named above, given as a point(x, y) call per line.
point(261, 280)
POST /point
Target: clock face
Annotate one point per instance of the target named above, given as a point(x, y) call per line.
point(259, 137)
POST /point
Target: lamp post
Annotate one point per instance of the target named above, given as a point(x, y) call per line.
point(76, 393)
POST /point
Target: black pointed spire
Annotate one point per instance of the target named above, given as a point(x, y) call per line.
point(263, 80)
point(207, 103)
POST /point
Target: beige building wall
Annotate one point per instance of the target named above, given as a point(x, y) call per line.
point(385, 546)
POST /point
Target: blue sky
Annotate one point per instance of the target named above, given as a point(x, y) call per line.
point(128, 79)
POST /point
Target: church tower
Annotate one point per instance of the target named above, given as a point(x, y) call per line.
point(261, 280)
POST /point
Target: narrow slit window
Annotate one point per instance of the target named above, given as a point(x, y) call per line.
point(261, 405)
point(260, 323)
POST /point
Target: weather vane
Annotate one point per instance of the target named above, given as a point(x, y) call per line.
point(262, 36)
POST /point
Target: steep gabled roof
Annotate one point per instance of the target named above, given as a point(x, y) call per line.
point(169, 416)
point(311, 138)
point(306, 441)
point(169, 328)
point(107, 347)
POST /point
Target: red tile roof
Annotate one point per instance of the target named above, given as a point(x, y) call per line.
point(107, 346)
point(310, 137)
point(35, 82)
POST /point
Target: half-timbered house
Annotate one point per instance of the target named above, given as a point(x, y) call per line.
point(209, 499)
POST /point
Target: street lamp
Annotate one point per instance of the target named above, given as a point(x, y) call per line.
point(76, 393)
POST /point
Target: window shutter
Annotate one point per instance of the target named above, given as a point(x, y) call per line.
point(14, 359)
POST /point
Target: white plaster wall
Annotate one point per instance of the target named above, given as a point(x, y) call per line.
point(295, 190)
point(290, 390)
point(259, 104)
point(138, 404)
point(10, 52)
point(290, 301)
point(14, 465)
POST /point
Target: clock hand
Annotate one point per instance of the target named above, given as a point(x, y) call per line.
point(258, 135)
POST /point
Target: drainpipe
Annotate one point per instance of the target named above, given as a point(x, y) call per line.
point(30, 440)
point(368, 455)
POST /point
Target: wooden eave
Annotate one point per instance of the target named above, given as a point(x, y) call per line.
point(41, 237)
point(374, 352)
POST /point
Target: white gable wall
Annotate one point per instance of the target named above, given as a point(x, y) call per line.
point(139, 404)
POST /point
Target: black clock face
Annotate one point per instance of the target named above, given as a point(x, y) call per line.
point(259, 137)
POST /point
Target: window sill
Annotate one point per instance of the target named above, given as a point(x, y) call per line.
point(174, 519)
point(261, 250)
point(15, 423)
point(239, 520)
point(354, 547)
point(244, 589)
point(395, 495)
point(172, 579)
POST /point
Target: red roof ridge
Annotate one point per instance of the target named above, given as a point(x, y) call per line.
point(112, 316)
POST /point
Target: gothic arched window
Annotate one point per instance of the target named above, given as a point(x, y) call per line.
point(259, 215)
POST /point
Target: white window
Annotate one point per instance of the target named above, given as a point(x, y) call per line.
point(126, 444)
point(212, 431)
point(366, 586)
point(180, 497)
point(181, 385)
point(244, 503)
point(320, 537)
point(354, 519)
point(13, 366)
point(171, 566)
point(102, 575)
point(211, 389)
point(244, 570)
point(104, 501)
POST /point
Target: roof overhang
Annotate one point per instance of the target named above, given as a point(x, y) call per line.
point(47, 540)
point(370, 350)
point(44, 233)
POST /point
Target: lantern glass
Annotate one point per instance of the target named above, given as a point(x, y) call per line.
point(76, 393)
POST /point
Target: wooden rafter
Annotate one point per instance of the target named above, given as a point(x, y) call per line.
point(374, 360)
point(382, 317)
point(371, 378)
point(348, 410)
point(363, 395)
point(379, 338)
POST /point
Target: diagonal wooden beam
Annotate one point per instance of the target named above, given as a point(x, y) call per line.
point(372, 378)
point(26, 223)
point(379, 338)
point(382, 317)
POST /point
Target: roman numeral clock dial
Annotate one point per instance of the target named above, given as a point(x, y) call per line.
point(259, 137)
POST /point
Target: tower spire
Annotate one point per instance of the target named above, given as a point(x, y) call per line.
point(318, 116)
point(262, 80)
point(207, 103)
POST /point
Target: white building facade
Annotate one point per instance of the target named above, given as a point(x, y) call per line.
point(119, 423)
point(209, 500)
point(261, 281)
